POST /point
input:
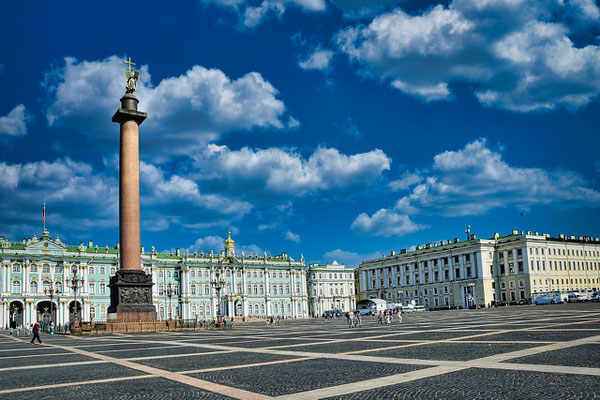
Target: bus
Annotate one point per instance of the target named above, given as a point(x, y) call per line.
point(549, 297)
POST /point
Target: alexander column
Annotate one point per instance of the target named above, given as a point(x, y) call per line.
point(131, 287)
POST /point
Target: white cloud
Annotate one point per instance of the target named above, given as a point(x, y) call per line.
point(348, 258)
point(80, 198)
point(385, 223)
point(208, 243)
point(184, 112)
point(408, 179)
point(292, 236)
point(319, 60)
point(251, 15)
point(476, 179)
point(516, 54)
point(286, 173)
point(15, 122)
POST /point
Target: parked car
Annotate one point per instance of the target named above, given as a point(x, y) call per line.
point(596, 296)
point(366, 311)
point(407, 309)
point(333, 313)
point(420, 309)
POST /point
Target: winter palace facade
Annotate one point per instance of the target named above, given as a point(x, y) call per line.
point(479, 272)
point(255, 286)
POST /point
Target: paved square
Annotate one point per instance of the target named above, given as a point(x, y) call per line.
point(515, 352)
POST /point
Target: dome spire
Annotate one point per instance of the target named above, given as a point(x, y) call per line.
point(229, 244)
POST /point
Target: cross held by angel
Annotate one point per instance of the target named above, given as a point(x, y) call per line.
point(132, 76)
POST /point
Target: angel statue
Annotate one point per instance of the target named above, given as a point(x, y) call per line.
point(132, 76)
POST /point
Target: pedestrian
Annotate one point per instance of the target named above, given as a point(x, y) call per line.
point(358, 322)
point(379, 318)
point(36, 333)
point(19, 330)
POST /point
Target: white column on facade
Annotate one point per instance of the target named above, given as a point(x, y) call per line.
point(461, 262)
point(25, 269)
point(2, 309)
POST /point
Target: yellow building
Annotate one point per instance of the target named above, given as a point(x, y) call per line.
point(507, 269)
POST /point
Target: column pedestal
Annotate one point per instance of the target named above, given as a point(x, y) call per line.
point(131, 297)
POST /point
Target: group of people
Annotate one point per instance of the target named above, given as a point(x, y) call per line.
point(353, 319)
point(387, 316)
point(15, 328)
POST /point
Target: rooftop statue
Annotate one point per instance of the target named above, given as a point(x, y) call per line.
point(132, 76)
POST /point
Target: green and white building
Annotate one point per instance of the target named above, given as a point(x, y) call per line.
point(256, 285)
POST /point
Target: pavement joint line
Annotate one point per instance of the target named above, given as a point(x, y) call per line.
point(36, 355)
point(485, 362)
point(66, 384)
point(174, 376)
point(456, 339)
point(224, 368)
point(371, 383)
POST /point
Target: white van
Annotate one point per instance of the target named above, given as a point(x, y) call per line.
point(576, 297)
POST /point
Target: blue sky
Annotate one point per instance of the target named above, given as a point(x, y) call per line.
point(334, 129)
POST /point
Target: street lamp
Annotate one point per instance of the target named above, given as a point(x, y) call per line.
point(50, 293)
point(218, 283)
point(75, 284)
point(169, 295)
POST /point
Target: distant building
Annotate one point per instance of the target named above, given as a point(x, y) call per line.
point(506, 269)
point(331, 286)
point(257, 286)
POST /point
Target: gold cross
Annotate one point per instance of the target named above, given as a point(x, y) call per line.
point(130, 64)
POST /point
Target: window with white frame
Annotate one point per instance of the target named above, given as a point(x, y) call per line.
point(16, 269)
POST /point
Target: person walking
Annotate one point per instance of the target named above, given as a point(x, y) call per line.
point(36, 333)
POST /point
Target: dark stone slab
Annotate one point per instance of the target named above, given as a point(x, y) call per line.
point(343, 347)
point(586, 355)
point(49, 359)
point(451, 351)
point(487, 384)
point(282, 379)
point(55, 375)
point(212, 361)
point(147, 388)
point(535, 335)
point(157, 352)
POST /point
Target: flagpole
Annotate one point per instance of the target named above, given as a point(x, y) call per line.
point(44, 216)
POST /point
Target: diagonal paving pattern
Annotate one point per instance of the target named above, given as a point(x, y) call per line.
point(241, 363)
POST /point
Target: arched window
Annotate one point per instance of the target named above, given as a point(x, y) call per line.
point(16, 269)
point(255, 288)
point(33, 268)
point(239, 288)
point(45, 286)
point(46, 268)
point(161, 289)
point(239, 273)
point(102, 271)
point(102, 312)
point(289, 308)
point(249, 288)
point(276, 308)
point(16, 287)
point(192, 273)
point(193, 289)
point(280, 289)
point(228, 274)
point(256, 309)
point(58, 288)
point(161, 273)
point(92, 312)
point(162, 312)
point(91, 270)
point(261, 289)
point(206, 289)
point(194, 312)
point(254, 274)
point(200, 309)
point(262, 309)
point(34, 287)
